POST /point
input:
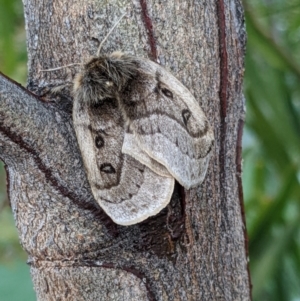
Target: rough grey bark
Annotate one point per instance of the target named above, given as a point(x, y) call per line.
point(195, 248)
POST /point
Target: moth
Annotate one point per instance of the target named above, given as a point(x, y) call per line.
point(138, 129)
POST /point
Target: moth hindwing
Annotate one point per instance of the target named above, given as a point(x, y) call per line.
point(138, 129)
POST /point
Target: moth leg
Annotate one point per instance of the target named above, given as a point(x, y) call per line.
point(60, 94)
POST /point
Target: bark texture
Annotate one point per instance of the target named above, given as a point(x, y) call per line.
point(195, 249)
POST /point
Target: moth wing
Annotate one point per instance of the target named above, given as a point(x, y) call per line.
point(168, 124)
point(131, 147)
point(128, 191)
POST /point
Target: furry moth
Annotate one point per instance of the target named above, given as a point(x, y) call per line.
point(138, 129)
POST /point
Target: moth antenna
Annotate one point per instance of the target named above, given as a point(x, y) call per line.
point(59, 68)
point(111, 30)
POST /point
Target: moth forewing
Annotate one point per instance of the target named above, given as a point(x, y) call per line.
point(126, 190)
point(167, 124)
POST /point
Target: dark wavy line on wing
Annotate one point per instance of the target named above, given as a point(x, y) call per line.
point(199, 134)
point(131, 195)
point(176, 144)
point(97, 131)
point(121, 201)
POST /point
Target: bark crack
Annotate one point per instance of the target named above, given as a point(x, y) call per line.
point(149, 29)
point(223, 86)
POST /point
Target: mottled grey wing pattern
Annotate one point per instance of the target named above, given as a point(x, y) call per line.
point(127, 190)
point(131, 147)
point(167, 123)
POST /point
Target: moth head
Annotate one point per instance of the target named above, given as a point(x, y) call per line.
point(104, 77)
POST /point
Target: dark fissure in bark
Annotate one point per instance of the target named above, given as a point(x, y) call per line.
point(149, 29)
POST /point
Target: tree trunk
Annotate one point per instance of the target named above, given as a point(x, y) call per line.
point(195, 249)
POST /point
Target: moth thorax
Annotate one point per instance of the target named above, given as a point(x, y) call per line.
point(92, 89)
point(104, 77)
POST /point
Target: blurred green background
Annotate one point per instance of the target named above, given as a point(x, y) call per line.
point(271, 150)
point(15, 281)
